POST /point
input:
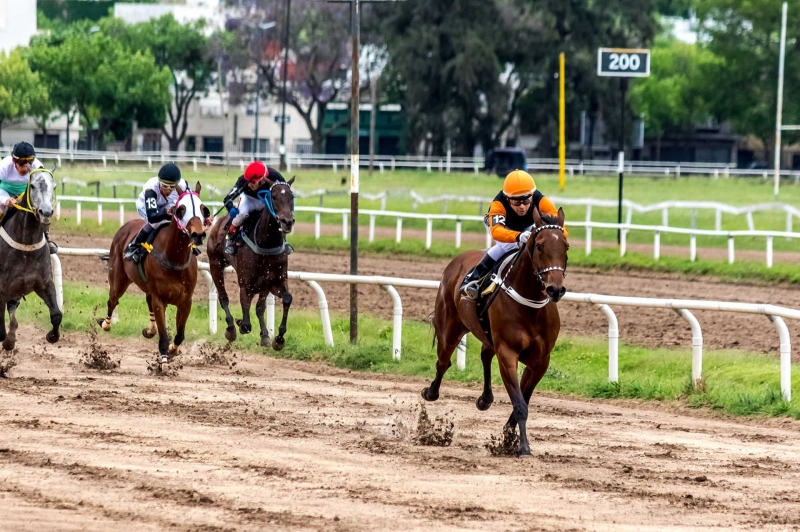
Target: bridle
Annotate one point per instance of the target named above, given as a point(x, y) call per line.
point(27, 194)
point(266, 197)
point(538, 272)
point(194, 211)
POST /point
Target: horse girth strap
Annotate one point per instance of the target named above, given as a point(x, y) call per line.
point(277, 250)
point(21, 247)
point(169, 264)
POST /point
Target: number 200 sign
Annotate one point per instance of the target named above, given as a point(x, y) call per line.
point(622, 62)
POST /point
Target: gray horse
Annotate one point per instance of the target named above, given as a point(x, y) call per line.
point(25, 257)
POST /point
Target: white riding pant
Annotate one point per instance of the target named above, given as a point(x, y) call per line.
point(143, 214)
point(501, 248)
point(247, 205)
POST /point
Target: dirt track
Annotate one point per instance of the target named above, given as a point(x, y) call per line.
point(646, 327)
point(274, 445)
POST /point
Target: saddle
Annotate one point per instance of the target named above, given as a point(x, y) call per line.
point(247, 236)
point(487, 291)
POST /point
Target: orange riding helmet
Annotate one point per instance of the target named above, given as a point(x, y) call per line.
point(518, 183)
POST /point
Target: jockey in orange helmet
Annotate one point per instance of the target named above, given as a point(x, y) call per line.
point(510, 219)
point(257, 177)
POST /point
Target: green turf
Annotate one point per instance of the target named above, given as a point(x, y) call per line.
point(734, 382)
point(643, 190)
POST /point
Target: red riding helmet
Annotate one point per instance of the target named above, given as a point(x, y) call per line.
point(255, 171)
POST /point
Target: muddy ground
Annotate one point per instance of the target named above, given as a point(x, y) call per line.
point(638, 326)
point(268, 444)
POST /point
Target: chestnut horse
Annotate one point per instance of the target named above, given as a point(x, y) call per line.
point(167, 275)
point(261, 265)
point(523, 319)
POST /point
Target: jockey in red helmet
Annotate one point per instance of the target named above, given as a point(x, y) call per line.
point(257, 177)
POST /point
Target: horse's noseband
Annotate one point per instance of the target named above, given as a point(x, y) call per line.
point(549, 268)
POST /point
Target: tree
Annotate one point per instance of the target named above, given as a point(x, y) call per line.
point(742, 85)
point(319, 56)
point(184, 50)
point(21, 91)
point(673, 97)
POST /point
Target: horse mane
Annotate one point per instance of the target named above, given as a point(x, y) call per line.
point(548, 219)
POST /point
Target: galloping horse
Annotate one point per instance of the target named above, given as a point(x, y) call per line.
point(167, 275)
point(523, 319)
point(25, 256)
point(261, 266)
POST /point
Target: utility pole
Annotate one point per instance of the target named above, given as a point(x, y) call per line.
point(373, 97)
point(779, 120)
point(222, 110)
point(282, 148)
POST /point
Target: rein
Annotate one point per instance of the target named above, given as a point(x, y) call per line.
point(29, 209)
point(266, 197)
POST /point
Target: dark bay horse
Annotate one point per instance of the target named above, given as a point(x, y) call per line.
point(25, 256)
point(261, 265)
point(167, 275)
point(524, 321)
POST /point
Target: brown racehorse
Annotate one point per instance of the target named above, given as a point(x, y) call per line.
point(520, 332)
point(167, 275)
point(261, 265)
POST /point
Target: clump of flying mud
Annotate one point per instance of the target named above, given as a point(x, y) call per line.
point(96, 357)
point(154, 367)
point(438, 432)
point(507, 445)
point(8, 359)
point(214, 355)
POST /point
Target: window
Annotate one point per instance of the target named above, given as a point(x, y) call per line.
point(191, 143)
point(263, 145)
point(303, 147)
point(48, 142)
point(212, 144)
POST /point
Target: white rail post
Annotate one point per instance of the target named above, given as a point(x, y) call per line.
point(58, 281)
point(105, 163)
point(461, 354)
point(121, 214)
point(789, 224)
point(99, 214)
point(212, 302)
point(428, 233)
point(588, 229)
point(428, 166)
point(383, 202)
point(397, 324)
point(623, 243)
point(730, 249)
point(693, 247)
point(380, 166)
point(149, 162)
point(786, 357)
point(78, 214)
point(325, 317)
point(335, 167)
point(751, 226)
point(316, 225)
point(371, 228)
point(657, 245)
point(769, 251)
point(718, 220)
point(58, 210)
point(475, 169)
point(344, 226)
point(208, 159)
point(194, 164)
point(613, 343)
point(399, 233)
point(393, 164)
point(488, 238)
point(665, 217)
point(697, 344)
point(58, 158)
point(458, 234)
point(271, 315)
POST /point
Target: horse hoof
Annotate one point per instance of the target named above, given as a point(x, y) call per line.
point(524, 453)
point(53, 336)
point(173, 350)
point(105, 325)
point(484, 404)
point(230, 334)
point(245, 329)
point(265, 341)
point(9, 345)
point(147, 333)
point(428, 395)
point(278, 344)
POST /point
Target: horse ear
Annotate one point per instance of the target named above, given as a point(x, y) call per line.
point(53, 171)
point(291, 181)
point(537, 218)
point(180, 211)
point(561, 217)
point(198, 187)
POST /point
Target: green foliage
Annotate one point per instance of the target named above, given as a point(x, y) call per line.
point(21, 91)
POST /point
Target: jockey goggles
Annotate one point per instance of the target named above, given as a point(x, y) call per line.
point(167, 184)
point(22, 160)
point(521, 200)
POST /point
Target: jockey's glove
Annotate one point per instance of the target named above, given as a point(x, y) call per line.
point(523, 238)
point(234, 212)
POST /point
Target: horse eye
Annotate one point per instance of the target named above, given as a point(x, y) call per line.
point(539, 248)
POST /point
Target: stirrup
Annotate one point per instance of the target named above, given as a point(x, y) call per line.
point(470, 290)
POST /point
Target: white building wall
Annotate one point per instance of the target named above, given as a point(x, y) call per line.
point(17, 23)
point(193, 10)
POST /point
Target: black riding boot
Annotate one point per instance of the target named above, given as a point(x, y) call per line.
point(469, 287)
point(232, 238)
point(135, 251)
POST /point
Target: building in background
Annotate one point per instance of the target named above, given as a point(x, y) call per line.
point(212, 11)
point(389, 126)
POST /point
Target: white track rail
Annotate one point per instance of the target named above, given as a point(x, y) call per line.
point(682, 307)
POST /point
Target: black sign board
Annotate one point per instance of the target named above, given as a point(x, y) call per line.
point(623, 62)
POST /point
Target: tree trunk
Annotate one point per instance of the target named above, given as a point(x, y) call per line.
point(658, 148)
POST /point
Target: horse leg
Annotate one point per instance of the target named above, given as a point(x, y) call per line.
point(487, 397)
point(159, 309)
point(218, 276)
point(48, 295)
point(149, 332)
point(181, 317)
point(245, 299)
point(261, 307)
point(117, 288)
point(10, 340)
point(447, 341)
point(530, 378)
point(3, 322)
point(508, 371)
point(279, 342)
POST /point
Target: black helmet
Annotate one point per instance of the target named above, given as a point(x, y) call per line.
point(23, 150)
point(169, 174)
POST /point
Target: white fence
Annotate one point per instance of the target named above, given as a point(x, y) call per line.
point(589, 225)
point(383, 163)
point(682, 307)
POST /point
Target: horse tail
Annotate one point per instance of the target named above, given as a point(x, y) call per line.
point(430, 323)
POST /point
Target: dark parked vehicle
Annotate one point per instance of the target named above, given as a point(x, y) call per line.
point(502, 161)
